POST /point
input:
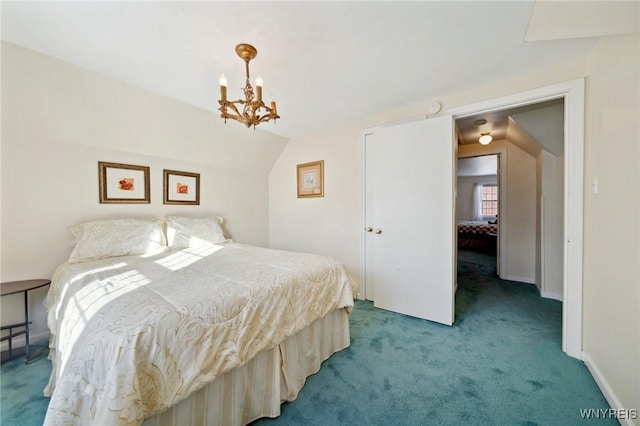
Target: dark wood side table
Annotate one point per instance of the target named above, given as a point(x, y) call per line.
point(14, 287)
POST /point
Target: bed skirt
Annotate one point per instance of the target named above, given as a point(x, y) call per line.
point(258, 388)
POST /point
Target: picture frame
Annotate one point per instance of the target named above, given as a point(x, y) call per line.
point(311, 179)
point(123, 183)
point(181, 187)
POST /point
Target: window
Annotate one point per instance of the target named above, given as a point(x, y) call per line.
point(489, 200)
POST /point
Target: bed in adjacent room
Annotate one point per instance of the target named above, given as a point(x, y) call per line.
point(200, 331)
point(478, 235)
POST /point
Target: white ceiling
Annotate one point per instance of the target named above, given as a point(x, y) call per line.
point(323, 62)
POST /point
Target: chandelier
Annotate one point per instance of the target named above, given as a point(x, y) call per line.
point(251, 110)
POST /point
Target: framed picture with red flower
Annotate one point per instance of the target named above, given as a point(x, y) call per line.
point(123, 183)
point(181, 187)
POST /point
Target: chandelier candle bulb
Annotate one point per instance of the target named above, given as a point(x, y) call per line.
point(223, 88)
point(259, 83)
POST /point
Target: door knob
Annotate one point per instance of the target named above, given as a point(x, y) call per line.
point(378, 231)
point(368, 229)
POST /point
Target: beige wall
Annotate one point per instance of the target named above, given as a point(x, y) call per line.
point(612, 225)
point(59, 120)
point(333, 224)
point(549, 225)
point(521, 216)
point(328, 225)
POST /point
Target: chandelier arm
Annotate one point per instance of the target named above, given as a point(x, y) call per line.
point(266, 117)
point(232, 105)
point(250, 111)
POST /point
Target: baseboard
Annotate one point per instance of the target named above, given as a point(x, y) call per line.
point(549, 295)
point(606, 390)
point(519, 279)
point(20, 341)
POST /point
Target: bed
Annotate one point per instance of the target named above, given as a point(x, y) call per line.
point(477, 235)
point(193, 329)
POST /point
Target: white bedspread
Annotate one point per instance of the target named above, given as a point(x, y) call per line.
point(131, 336)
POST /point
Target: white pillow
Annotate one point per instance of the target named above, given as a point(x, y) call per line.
point(184, 232)
point(118, 237)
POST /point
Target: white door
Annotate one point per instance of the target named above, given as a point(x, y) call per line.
point(409, 218)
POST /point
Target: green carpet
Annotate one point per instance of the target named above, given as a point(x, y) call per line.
point(21, 386)
point(500, 364)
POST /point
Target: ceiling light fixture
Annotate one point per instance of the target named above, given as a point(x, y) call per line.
point(485, 138)
point(246, 110)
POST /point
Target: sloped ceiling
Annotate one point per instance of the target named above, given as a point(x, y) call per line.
point(545, 125)
point(558, 20)
point(323, 62)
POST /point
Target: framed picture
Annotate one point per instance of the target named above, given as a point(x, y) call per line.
point(123, 183)
point(311, 179)
point(181, 187)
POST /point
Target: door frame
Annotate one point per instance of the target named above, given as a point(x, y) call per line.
point(501, 152)
point(572, 92)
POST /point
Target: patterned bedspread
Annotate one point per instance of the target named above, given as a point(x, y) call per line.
point(467, 228)
point(131, 336)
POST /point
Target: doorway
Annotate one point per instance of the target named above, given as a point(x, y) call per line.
point(534, 137)
point(572, 93)
point(477, 205)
